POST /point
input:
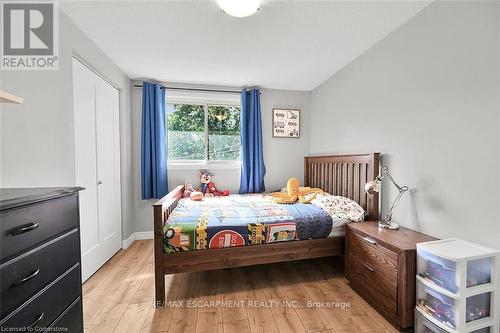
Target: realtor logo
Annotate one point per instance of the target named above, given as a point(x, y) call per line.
point(30, 35)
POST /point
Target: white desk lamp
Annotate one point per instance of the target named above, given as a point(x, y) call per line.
point(374, 186)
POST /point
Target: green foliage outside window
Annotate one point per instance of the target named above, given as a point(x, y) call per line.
point(186, 132)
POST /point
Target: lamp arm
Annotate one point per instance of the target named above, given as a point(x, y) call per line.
point(385, 173)
point(374, 186)
point(402, 190)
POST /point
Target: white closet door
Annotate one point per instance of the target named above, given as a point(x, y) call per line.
point(96, 122)
point(108, 167)
point(85, 165)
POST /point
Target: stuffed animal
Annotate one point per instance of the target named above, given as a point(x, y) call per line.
point(205, 178)
point(190, 192)
point(208, 187)
point(188, 189)
point(295, 192)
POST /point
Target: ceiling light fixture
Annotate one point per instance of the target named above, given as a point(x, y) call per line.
point(239, 8)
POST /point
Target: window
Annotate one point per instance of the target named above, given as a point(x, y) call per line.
point(203, 132)
point(186, 132)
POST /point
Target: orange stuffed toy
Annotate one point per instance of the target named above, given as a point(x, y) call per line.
point(295, 192)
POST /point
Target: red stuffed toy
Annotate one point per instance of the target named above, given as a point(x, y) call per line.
point(208, 186)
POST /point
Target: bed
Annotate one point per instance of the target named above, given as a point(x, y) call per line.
point(231, 233)
point(244, 220)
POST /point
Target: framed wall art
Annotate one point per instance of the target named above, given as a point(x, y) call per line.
point(286, 123)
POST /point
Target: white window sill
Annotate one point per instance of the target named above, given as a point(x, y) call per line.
point(204, 165)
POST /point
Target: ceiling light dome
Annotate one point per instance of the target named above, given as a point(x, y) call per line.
point(239, 8)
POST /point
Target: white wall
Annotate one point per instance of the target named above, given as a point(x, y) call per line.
point(37, 142)
point(283, 157)
point(427, 97)
point(429, 92)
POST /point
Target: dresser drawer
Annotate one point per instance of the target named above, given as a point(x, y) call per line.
point(29, 273)
point(23, 228)
point(46, 306)
point(374, 285)
point(70, 320)
point(370, 252)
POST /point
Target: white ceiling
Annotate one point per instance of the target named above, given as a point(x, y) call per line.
point(287, 45)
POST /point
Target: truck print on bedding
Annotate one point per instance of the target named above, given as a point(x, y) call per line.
point(240, 220)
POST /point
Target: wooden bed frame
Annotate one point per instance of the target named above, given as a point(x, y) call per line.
point(344, 175)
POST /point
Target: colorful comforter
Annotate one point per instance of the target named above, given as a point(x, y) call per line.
point(239, 220)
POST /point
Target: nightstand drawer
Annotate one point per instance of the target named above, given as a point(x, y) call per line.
point(381, 269)
point(376, 287)
point(370, 252)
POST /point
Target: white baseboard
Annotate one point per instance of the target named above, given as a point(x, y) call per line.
point(126, 243)
point(144, 235)
point(137, 236)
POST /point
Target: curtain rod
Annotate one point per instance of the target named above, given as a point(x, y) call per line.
point(196, 89)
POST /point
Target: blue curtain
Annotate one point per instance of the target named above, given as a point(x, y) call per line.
point(153, 142)
point(252, 159)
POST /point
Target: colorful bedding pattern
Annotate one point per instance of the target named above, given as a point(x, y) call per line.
point(239, 220)
point(311, 222)
point(340, 207)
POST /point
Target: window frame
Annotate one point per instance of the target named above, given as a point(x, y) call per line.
point(204, 101)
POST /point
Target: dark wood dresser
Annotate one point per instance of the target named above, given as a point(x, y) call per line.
point(380, 267)
point(40, 273)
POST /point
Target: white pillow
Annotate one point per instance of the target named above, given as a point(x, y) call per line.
point(340, 207)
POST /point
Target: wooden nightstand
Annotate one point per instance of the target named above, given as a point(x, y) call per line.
point(380, 267)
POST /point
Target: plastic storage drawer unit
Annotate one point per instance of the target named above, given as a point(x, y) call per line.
point(457, 285)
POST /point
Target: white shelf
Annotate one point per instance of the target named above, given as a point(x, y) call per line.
point(5, 97)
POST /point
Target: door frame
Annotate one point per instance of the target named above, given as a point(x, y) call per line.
point(87, 64)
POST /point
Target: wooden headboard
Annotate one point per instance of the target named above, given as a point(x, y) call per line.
point(345, 175)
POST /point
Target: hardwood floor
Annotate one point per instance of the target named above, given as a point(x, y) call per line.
point(266, 298)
